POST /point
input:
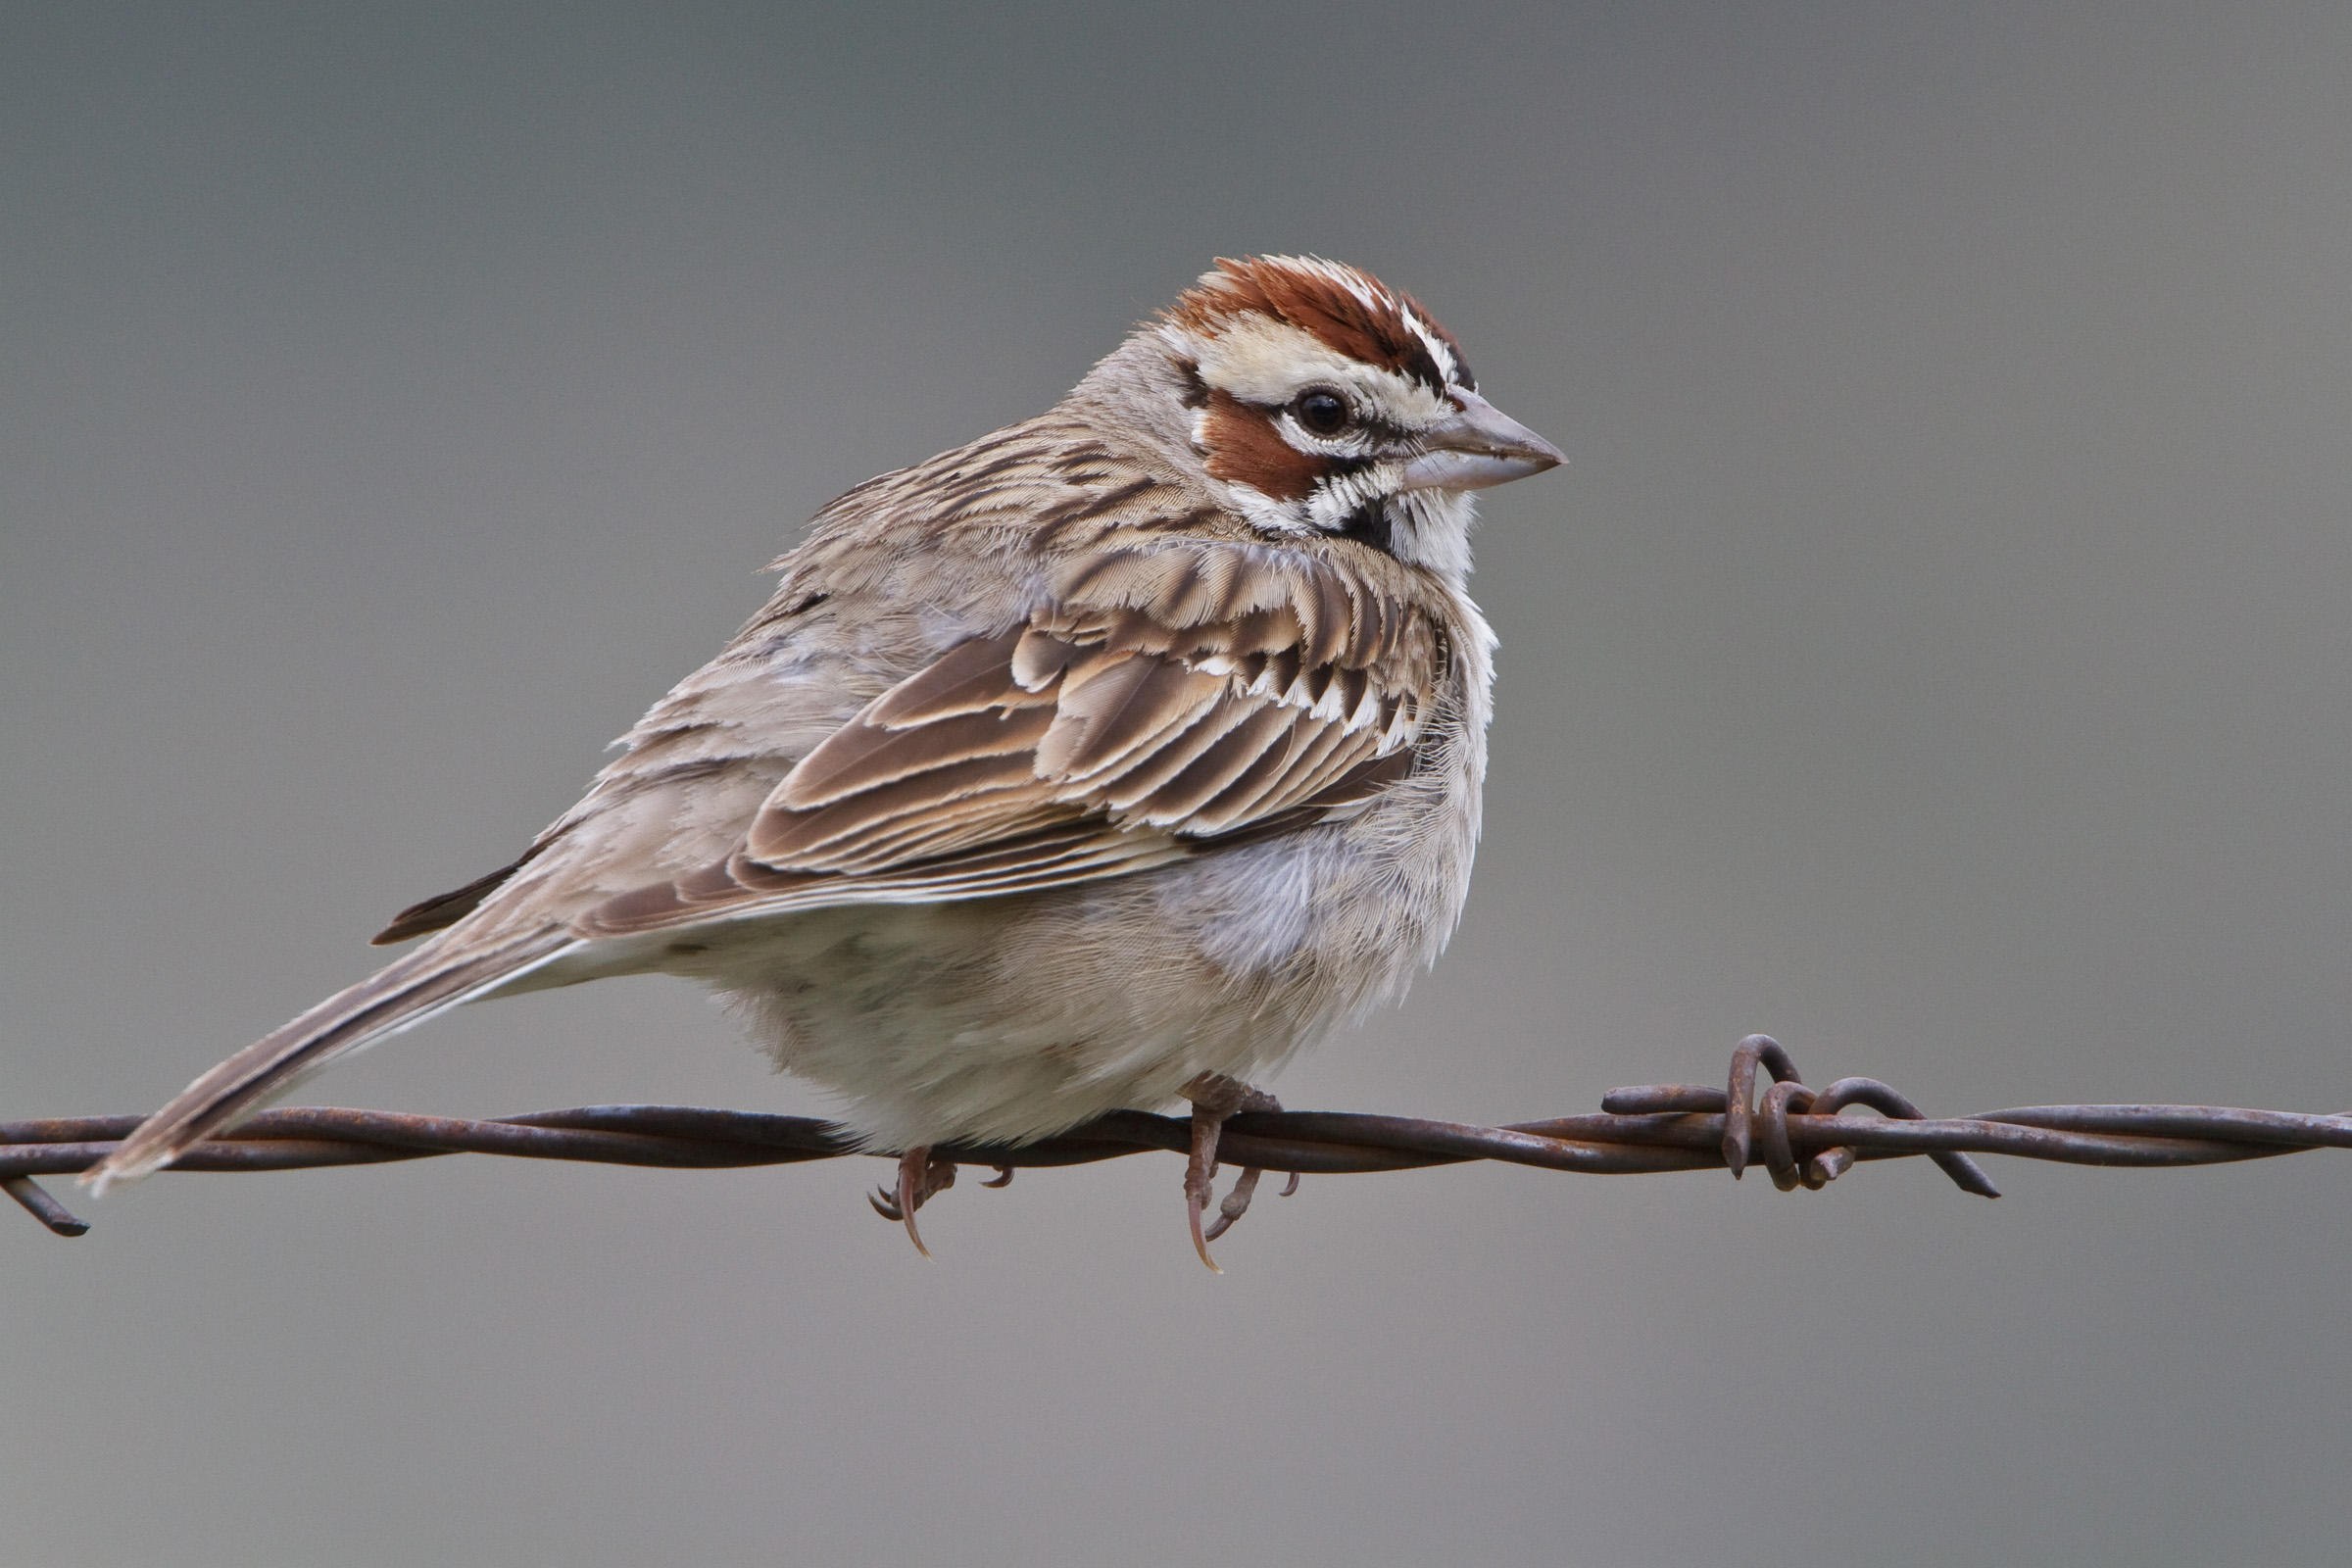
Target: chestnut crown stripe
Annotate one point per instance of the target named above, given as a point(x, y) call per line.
point(1360, 318)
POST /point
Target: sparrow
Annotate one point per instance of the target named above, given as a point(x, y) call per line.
point(1100, 764)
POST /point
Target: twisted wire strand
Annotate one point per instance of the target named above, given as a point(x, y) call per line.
point(1801, 1134)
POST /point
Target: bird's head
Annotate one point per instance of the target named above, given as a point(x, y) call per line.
point(1325, 403)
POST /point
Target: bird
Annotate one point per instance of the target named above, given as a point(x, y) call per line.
point(1102, 763)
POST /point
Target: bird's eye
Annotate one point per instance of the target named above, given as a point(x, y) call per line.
point(1320, 410)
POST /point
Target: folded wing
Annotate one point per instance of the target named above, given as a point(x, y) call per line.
point(1164, 703)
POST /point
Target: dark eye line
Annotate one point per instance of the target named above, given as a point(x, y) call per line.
point(1383, 433)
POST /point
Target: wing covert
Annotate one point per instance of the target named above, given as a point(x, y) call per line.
point(1136, 720)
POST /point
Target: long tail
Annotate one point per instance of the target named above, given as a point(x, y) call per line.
point(404, 993)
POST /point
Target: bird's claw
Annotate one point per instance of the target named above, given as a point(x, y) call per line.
point(920, 1177)
point(1216, 1098)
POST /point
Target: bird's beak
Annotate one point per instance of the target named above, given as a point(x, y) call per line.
point(1478, 446)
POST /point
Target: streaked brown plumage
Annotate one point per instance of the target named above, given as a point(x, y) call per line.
point(1107, 759)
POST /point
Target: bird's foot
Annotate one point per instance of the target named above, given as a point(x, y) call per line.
point(920, 1178)
point(1215, 1097)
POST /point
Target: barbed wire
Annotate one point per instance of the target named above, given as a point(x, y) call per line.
point(1801, 1134)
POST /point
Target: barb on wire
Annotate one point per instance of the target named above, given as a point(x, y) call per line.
point(1800, 1132)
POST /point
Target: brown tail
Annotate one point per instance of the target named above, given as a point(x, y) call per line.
point(406, 992)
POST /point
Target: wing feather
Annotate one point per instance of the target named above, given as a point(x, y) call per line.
point(863, 755)
point(1166, 702)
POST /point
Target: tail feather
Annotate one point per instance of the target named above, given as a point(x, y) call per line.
point(403, 994)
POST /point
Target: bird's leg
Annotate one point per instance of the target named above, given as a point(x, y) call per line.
point(1215, 1097)
point(920, 1177)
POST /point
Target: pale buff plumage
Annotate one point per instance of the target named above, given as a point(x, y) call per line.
point(1127, 748)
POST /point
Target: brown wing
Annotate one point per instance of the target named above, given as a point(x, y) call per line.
point(1168, 701)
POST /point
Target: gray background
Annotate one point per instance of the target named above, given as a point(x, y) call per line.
point(1935, 654)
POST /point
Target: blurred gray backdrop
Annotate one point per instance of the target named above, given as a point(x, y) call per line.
point(1935, 654)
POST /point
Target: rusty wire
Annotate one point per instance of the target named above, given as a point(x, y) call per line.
point(1798, 1133)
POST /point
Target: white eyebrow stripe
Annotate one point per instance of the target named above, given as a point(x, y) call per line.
point(1269, 363)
